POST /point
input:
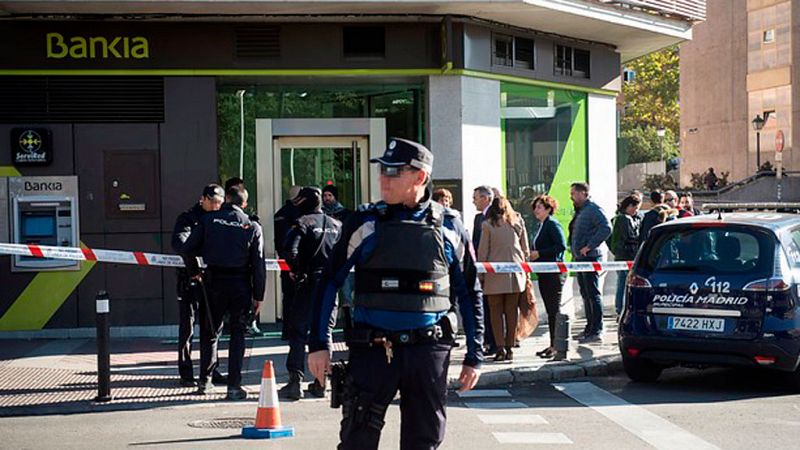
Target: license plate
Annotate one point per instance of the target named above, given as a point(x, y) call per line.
point(696, 324)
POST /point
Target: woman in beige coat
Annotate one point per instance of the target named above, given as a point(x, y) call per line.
point(503, 239)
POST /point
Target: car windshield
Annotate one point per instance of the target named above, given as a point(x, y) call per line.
point(710, 250)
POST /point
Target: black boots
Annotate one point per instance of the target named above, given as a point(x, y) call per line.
point(292, 390)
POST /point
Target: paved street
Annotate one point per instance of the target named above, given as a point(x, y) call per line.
point(688, 409)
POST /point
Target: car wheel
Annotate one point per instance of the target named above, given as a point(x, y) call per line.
point(639, 369)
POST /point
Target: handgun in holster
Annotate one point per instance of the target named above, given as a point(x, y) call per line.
point(338, 383)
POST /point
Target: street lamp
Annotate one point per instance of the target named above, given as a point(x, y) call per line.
point(661, 132)
point(758, 124)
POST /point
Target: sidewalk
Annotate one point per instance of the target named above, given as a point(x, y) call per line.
point(60, 376)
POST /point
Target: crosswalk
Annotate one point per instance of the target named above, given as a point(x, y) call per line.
point(501, 411)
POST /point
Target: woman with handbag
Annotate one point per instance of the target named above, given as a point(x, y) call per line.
point(548, 246)
point(503, 239)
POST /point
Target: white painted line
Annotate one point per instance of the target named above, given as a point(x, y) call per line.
point(647, 426)
point(512, 419)
point(531, 438)
point(480, 393)
point(496, 405)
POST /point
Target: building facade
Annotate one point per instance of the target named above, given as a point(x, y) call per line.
point(739, 65)
point(147, 102)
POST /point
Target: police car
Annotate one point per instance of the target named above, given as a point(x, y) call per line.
point(715, 290)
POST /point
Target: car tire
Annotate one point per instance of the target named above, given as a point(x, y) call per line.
point(641, 370)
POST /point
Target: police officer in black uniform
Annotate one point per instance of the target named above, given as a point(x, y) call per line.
point(189, 294)
point(308, 247)
point(232, 248)
point(282, 221)
point(409, 256)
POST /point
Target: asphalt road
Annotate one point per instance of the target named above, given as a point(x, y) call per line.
point(716, 408)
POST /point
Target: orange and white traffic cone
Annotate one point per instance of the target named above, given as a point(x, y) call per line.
point(268, 414)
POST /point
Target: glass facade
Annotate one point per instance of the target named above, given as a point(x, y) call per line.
point(544, 137)
point(400, 105)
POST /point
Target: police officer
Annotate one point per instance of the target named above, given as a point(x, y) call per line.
point(308, 247)
point(282, 221)
point(409, 255)
point(232, 248)
point(189, 296)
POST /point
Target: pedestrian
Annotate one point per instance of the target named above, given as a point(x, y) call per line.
point(590, 230)
point(689, 204)
point(482, 197)
point(331, 205)
point(505, 239)
point(409, 256)
point(652, 217)
point(189, 296)
point(252, 318)
point(625, 241)
point(548, 245)
point(685, 206)
point(710, 179)
point(232, 248)
point(282, 221)
point(671, 200)
point(444, 197)
point(308, 248)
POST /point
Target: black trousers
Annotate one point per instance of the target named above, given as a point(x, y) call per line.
point(188, 303)
point(299, 322)
point(419, 372)
point(287, 290)
point(232, 296)
point(550, 286)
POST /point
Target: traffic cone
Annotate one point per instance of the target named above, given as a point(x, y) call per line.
point(268, 414)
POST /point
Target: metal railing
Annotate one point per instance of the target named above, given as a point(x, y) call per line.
point(693, 10)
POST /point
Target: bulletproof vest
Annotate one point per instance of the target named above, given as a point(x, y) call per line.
point(407, 271)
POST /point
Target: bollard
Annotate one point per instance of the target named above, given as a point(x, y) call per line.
point(103, 348)
point(561, 341)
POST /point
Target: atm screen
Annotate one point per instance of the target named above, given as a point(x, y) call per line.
point(38, 226)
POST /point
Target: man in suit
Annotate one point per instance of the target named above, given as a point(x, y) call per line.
point(482, 197)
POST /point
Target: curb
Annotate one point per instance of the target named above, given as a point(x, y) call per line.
point(598, 367)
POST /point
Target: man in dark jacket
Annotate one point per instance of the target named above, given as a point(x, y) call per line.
point(189, 294)
point(482, 197)
point(232, 248)
point(308, 247)
point(625, 241)
point(282, 221)
point(652, 218)
point(590, 228)
point(331, 205)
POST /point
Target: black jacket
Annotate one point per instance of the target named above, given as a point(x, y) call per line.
point(184, 224)
point(283, 220)
point(228, 239)
point(549, 241)
point(310, 242)
point(477, 223)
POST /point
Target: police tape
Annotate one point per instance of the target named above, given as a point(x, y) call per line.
point(277, 265)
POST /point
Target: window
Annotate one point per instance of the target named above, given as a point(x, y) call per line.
point(628, 75)
point(512, 51)
point(769, 36)
point(572, 62)
point(503, 50)
point(364, 42)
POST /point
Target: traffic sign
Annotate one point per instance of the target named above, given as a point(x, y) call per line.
point(779, 141)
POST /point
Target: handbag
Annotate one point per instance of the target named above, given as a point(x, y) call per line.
point(528, 318)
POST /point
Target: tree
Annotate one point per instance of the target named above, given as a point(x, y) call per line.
point(651, 98)
point(643, 144)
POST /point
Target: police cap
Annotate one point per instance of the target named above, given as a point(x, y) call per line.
point(401, 152)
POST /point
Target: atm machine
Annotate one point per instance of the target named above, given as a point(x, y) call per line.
point(43, 211)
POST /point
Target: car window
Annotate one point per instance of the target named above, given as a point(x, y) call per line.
point(793, 246)
point(710, 250)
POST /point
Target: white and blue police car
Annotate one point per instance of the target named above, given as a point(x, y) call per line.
point(715, 290)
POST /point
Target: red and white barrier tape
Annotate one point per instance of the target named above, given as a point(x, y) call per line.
point(276, 265)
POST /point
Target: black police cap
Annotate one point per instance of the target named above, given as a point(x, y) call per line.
point(401, 152)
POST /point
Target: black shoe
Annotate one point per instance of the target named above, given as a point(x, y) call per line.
point(219, 378)
point(559, 356)
point(591, 339)
point(291, 391)
point(547, 353)
point(188, 382)
point(316, 389)
point(236, 394)
point(543, 351)
point(206, 388)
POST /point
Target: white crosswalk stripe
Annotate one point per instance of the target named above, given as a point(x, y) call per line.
point(512, 419)
point(531, 438)
point(496, 405)
point(481, 393)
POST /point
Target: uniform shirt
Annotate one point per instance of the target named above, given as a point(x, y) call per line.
point(357, 242)
point(228, 238)
point(310, 242)
point(184, 225)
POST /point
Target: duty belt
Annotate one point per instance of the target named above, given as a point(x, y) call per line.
point(369, 337)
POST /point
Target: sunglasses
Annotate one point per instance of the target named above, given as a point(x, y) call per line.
point(393, 172)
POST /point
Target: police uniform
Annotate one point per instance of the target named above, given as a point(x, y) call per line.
point(189, 297)
point(408, 262)
point(232, 248)
point(283, 220)
point(308, 247)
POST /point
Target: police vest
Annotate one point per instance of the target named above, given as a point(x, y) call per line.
point(408, 270)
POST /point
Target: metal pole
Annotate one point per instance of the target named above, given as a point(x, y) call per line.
point(103, 348)
point(241, 133)
point(561, 341)
point(758, 151)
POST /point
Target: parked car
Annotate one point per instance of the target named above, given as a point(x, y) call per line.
point(715, 290)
